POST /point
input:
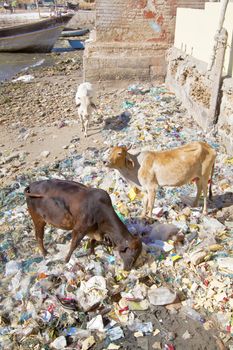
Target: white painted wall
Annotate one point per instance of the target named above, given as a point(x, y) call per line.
point(195, 31)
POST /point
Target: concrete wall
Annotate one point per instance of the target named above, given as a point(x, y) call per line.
point(188, 78)
point(132, 37)
point(195, 31)
point(225, 120)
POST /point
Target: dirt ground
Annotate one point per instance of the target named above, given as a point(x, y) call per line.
point(41, 116)
point(170, 328)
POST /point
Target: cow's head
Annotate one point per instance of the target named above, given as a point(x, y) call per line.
point(120, 158)
point(130, 251)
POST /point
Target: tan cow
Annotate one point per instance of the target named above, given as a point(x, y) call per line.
point(176, 167)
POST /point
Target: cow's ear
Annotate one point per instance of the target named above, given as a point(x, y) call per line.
point(136, 243)
point(129, 162)
point(93, 105)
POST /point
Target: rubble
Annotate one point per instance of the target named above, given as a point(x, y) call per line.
point(91, 302)
point(161, 296)
point(44, 154)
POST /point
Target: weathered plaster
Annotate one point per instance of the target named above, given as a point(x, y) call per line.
point(189, 79)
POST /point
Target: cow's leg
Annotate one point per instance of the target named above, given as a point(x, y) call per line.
point(210, 185)
point(40, 237)
point(205, 190)
point(86, 126)
point(93, 244)
point(151, 199)
point(77, 236)
point(148, 182)
point(145, 204)
point(39, 224)
point(81, 120)
point(199, 189)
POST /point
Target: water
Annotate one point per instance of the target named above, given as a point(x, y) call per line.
point(12, 63)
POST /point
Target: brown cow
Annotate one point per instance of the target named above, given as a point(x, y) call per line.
point(176, 167)
point(86, 211)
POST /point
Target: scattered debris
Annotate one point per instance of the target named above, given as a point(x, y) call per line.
point(91, 302)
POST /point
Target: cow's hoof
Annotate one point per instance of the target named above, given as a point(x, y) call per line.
point(143, 215)
point(44, 253)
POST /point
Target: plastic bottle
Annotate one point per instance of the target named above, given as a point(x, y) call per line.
point(191, 313)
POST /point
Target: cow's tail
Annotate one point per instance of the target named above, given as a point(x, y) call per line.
point(210, 181)
point(32, 195)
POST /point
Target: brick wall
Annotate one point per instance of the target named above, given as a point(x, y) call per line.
point(132, 37)
point(139, 20)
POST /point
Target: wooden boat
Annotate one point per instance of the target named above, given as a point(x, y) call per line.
point(38, 36)
point(77, 44)
point(78, 32)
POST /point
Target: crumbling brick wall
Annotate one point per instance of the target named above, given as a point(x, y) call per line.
point(225, 119)
point(186, 76)
point(189, 79)
point(132, 37)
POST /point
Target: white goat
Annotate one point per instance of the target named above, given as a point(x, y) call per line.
point(85, 102)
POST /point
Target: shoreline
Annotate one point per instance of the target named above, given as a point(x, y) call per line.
point(12, 65)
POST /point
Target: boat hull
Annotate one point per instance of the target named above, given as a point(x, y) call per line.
point(36, 37)
point(39, 41)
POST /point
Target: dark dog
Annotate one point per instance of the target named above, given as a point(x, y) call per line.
point(86, 211)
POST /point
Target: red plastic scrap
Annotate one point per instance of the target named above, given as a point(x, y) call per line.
point(206, 283)
point(169, 347)
point(225, 299)
point(51, 308)
point(126, 308)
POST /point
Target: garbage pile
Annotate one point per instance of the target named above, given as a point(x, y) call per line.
point(181, 287)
